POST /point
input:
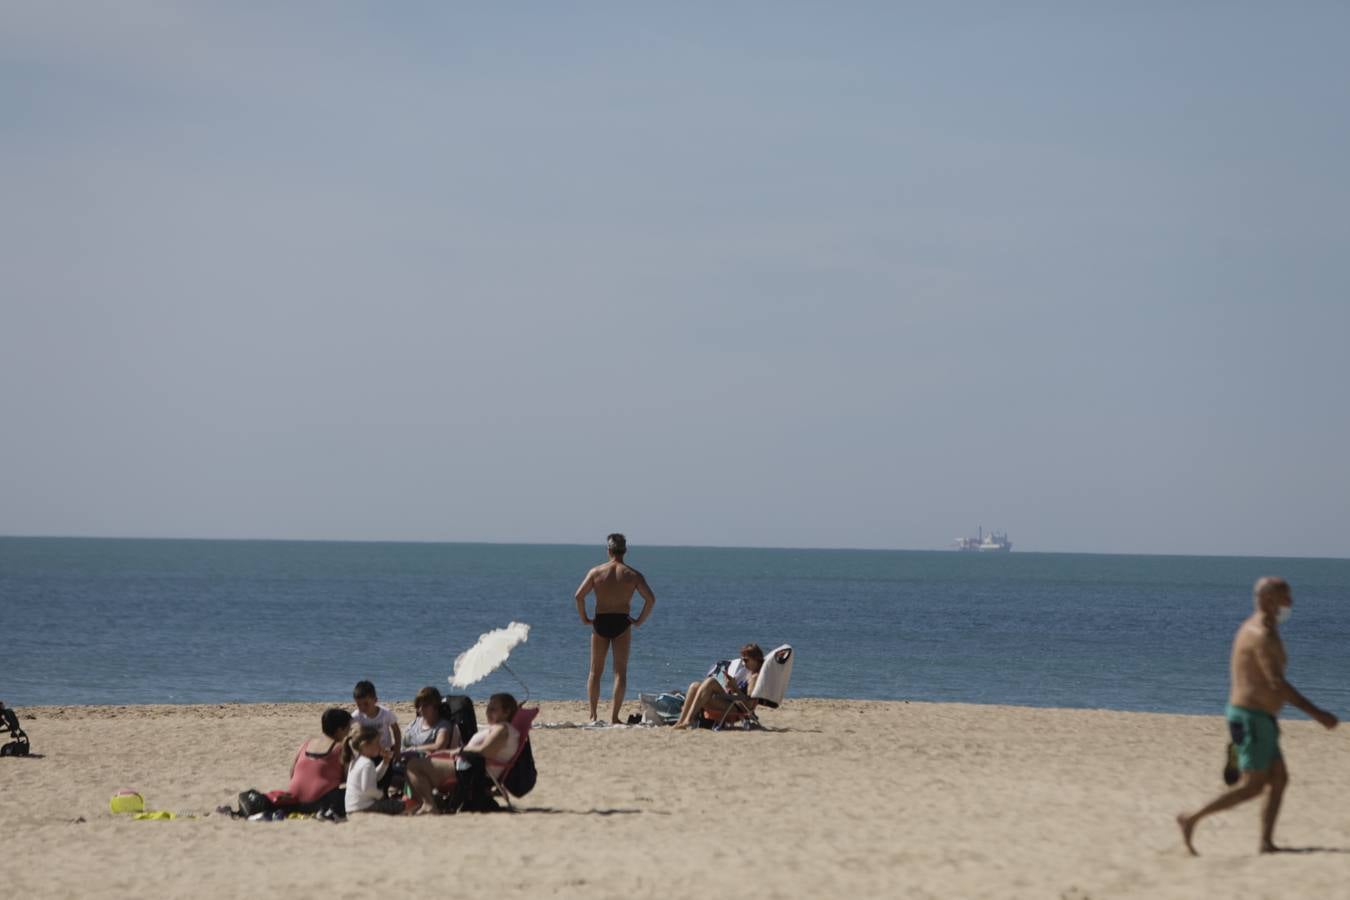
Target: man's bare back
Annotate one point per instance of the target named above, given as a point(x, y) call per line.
point(614, 584)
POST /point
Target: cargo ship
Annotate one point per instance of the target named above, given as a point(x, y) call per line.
point(996, 542)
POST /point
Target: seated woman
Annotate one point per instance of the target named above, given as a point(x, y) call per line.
point(497, 743)
point(430, 732)
point(709, 694)
point(317, 772)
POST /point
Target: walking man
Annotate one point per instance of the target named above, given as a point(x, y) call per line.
point(614, 583)
point(1258, 691)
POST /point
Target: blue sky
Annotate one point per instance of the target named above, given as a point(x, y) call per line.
point(777, 274)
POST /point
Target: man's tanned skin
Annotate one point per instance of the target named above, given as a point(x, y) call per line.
point(614, 583)
point(1258, 683)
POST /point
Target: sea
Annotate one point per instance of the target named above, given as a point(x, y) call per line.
point(130, 621)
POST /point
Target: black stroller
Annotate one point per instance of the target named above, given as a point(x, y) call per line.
point(9, 724)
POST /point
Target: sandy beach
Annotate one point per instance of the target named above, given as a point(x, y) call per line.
point(876, 799)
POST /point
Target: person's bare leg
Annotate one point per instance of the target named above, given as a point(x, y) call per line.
point(1279, 779)
point(599, 647)
point(693, 702)
point(683, 720)
point(620, 646)
point(699, 698)
point(1252, 784)
point(420, 777)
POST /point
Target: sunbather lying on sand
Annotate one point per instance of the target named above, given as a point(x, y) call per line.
point(709, 693)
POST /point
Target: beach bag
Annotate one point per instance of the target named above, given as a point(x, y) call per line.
point(661, 709)
point(522, 776)
point(252, 802)
point(473, 789)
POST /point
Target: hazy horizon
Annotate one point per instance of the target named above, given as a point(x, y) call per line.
point(773, 275)
point(635, 551)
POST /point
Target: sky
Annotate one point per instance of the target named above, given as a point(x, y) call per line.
point(799, 275)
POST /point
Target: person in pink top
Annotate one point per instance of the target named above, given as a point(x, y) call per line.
point(317, 773)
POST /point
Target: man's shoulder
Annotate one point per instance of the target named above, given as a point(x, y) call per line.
point(1254, 633)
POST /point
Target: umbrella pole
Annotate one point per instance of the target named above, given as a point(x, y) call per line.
point(522, 684)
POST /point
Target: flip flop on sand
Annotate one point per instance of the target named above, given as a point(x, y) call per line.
point(1231, 772)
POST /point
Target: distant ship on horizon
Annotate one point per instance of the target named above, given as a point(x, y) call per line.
point(997, 542)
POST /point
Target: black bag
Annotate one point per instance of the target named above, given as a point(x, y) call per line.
point(253, 801)
point(473, 788)
point(520, 780)
point(9, 724)
point(457, 709)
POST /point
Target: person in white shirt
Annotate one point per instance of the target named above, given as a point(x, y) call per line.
point(366, 763)
point(369, 711)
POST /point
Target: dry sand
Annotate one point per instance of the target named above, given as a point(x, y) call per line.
point(849, 798)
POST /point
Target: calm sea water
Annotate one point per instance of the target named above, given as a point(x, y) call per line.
point(170, 621)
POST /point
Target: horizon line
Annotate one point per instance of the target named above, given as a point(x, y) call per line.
point(428, 541)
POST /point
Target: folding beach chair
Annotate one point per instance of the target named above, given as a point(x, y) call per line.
point(466, 792)
point(519, 775)
point(9, 724)
point(768, 691)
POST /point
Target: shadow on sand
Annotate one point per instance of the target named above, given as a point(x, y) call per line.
point(550, 811)
point(1313, 850)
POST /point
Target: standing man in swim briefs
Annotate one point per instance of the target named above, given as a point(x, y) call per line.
point(613, 583)
point(1257, 693)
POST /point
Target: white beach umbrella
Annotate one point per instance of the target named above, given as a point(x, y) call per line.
point(489, 654)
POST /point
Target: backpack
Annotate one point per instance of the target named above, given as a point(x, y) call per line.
point(252, 802)
point(457, 709)
point(522, 776)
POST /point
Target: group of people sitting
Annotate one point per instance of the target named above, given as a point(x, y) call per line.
point(361, 754)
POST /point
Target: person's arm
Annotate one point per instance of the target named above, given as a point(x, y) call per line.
point(1272, 667)
point(648, 597)
point(397, 735)
point(440, 740)
point(297, 757)
point(586, 585)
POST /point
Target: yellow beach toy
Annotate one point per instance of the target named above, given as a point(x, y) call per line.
point(126, 802)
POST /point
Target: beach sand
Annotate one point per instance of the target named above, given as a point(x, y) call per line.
point(848, 798)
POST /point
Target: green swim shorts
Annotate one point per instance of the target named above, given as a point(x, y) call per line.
point(1256, 735)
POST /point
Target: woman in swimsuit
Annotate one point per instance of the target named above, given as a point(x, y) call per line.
point(317, 773)
point(709, 694)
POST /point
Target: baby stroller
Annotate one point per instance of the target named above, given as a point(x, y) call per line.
point(9, 724)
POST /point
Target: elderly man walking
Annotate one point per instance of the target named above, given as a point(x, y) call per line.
point(1257, 693)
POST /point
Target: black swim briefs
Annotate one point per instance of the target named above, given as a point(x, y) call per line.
point(611, 625)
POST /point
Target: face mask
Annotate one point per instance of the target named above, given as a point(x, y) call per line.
point(1282, 614)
